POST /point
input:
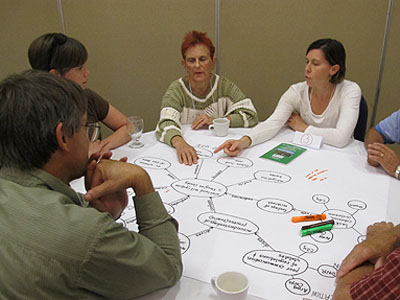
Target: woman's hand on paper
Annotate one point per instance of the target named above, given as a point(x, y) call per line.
point(186, 153)
point(234, 147)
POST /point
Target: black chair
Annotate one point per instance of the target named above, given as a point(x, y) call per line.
point(361, 126)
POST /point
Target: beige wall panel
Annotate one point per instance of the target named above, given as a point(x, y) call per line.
point(134, 47)
point(263, 43)
point(389, 100)
point(21, 21)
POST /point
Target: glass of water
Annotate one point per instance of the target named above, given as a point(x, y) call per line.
point(135, 129)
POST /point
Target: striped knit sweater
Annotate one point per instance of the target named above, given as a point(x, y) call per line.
point(181, 106)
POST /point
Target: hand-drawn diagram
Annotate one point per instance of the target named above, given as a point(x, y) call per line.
point(235, 213)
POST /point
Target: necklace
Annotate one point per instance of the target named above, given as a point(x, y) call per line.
point(209, 110)
point(330, 98)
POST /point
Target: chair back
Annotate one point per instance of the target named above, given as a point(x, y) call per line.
point(361, 126)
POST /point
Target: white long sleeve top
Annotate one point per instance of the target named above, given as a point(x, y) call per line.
point(336, 124)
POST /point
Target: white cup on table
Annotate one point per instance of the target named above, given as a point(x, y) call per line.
point(231, 286)
point(220, 126)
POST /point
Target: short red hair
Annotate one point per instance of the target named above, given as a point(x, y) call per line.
point(193, 38)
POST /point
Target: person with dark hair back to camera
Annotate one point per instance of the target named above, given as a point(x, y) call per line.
point(325, 104)
point(386, 132)
point(56, 243)
point(200, 97)
point(65, 56)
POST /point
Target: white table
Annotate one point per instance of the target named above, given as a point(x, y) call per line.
point(189, 288)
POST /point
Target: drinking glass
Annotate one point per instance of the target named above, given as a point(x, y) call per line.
point(135, 129)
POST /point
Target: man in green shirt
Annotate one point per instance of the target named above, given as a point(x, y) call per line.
point(54, 242)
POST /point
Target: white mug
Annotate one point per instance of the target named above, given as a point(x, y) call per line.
point(220, 126)
point(231, 286)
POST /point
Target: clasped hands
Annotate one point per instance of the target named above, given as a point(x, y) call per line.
point(99, 146)
point(106, 182)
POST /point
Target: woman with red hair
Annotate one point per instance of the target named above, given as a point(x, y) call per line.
point(200, 97)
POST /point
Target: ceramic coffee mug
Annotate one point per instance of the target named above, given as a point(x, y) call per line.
point(220, 126)
point(231, 286)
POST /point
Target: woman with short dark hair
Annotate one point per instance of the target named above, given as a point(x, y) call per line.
point(325, 104)
point(65, 56)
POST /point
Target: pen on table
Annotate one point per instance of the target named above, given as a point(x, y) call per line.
point(316, 229)
point(308, 218)
point(318, 224)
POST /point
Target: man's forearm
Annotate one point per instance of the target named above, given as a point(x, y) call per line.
point(373, 136)
point(342, 291)
point(158, 226)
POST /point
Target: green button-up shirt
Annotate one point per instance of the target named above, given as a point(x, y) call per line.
point(52, 246)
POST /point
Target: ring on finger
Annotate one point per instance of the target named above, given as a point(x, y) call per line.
point(382, 155)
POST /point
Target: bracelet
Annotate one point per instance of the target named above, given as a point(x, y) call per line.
point(397, 173)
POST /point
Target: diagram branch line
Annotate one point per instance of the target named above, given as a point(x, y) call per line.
point(242, 197)
point(211, 205)
point(263, 242)
point(201, 232)
point(161, 187)
point(179, 200)
point(242, 182)
point(219, 173)
point(172, 174)
point(198, 168)
point(356, 231)
point(355, 212)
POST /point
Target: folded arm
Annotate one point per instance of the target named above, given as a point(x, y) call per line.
point(116, 121)
point(135, 263)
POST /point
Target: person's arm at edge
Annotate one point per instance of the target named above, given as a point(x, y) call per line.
point(372, 136)
point(342, 291)
point(366, 257)
point(382, 239)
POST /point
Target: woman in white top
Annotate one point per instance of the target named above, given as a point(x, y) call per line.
point(325, 104)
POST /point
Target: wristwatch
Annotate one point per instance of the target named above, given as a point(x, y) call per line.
point(397, 173)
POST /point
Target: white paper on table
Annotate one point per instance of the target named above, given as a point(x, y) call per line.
point(235, 213)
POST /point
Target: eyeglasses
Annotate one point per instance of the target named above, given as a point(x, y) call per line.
point(92, 130)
